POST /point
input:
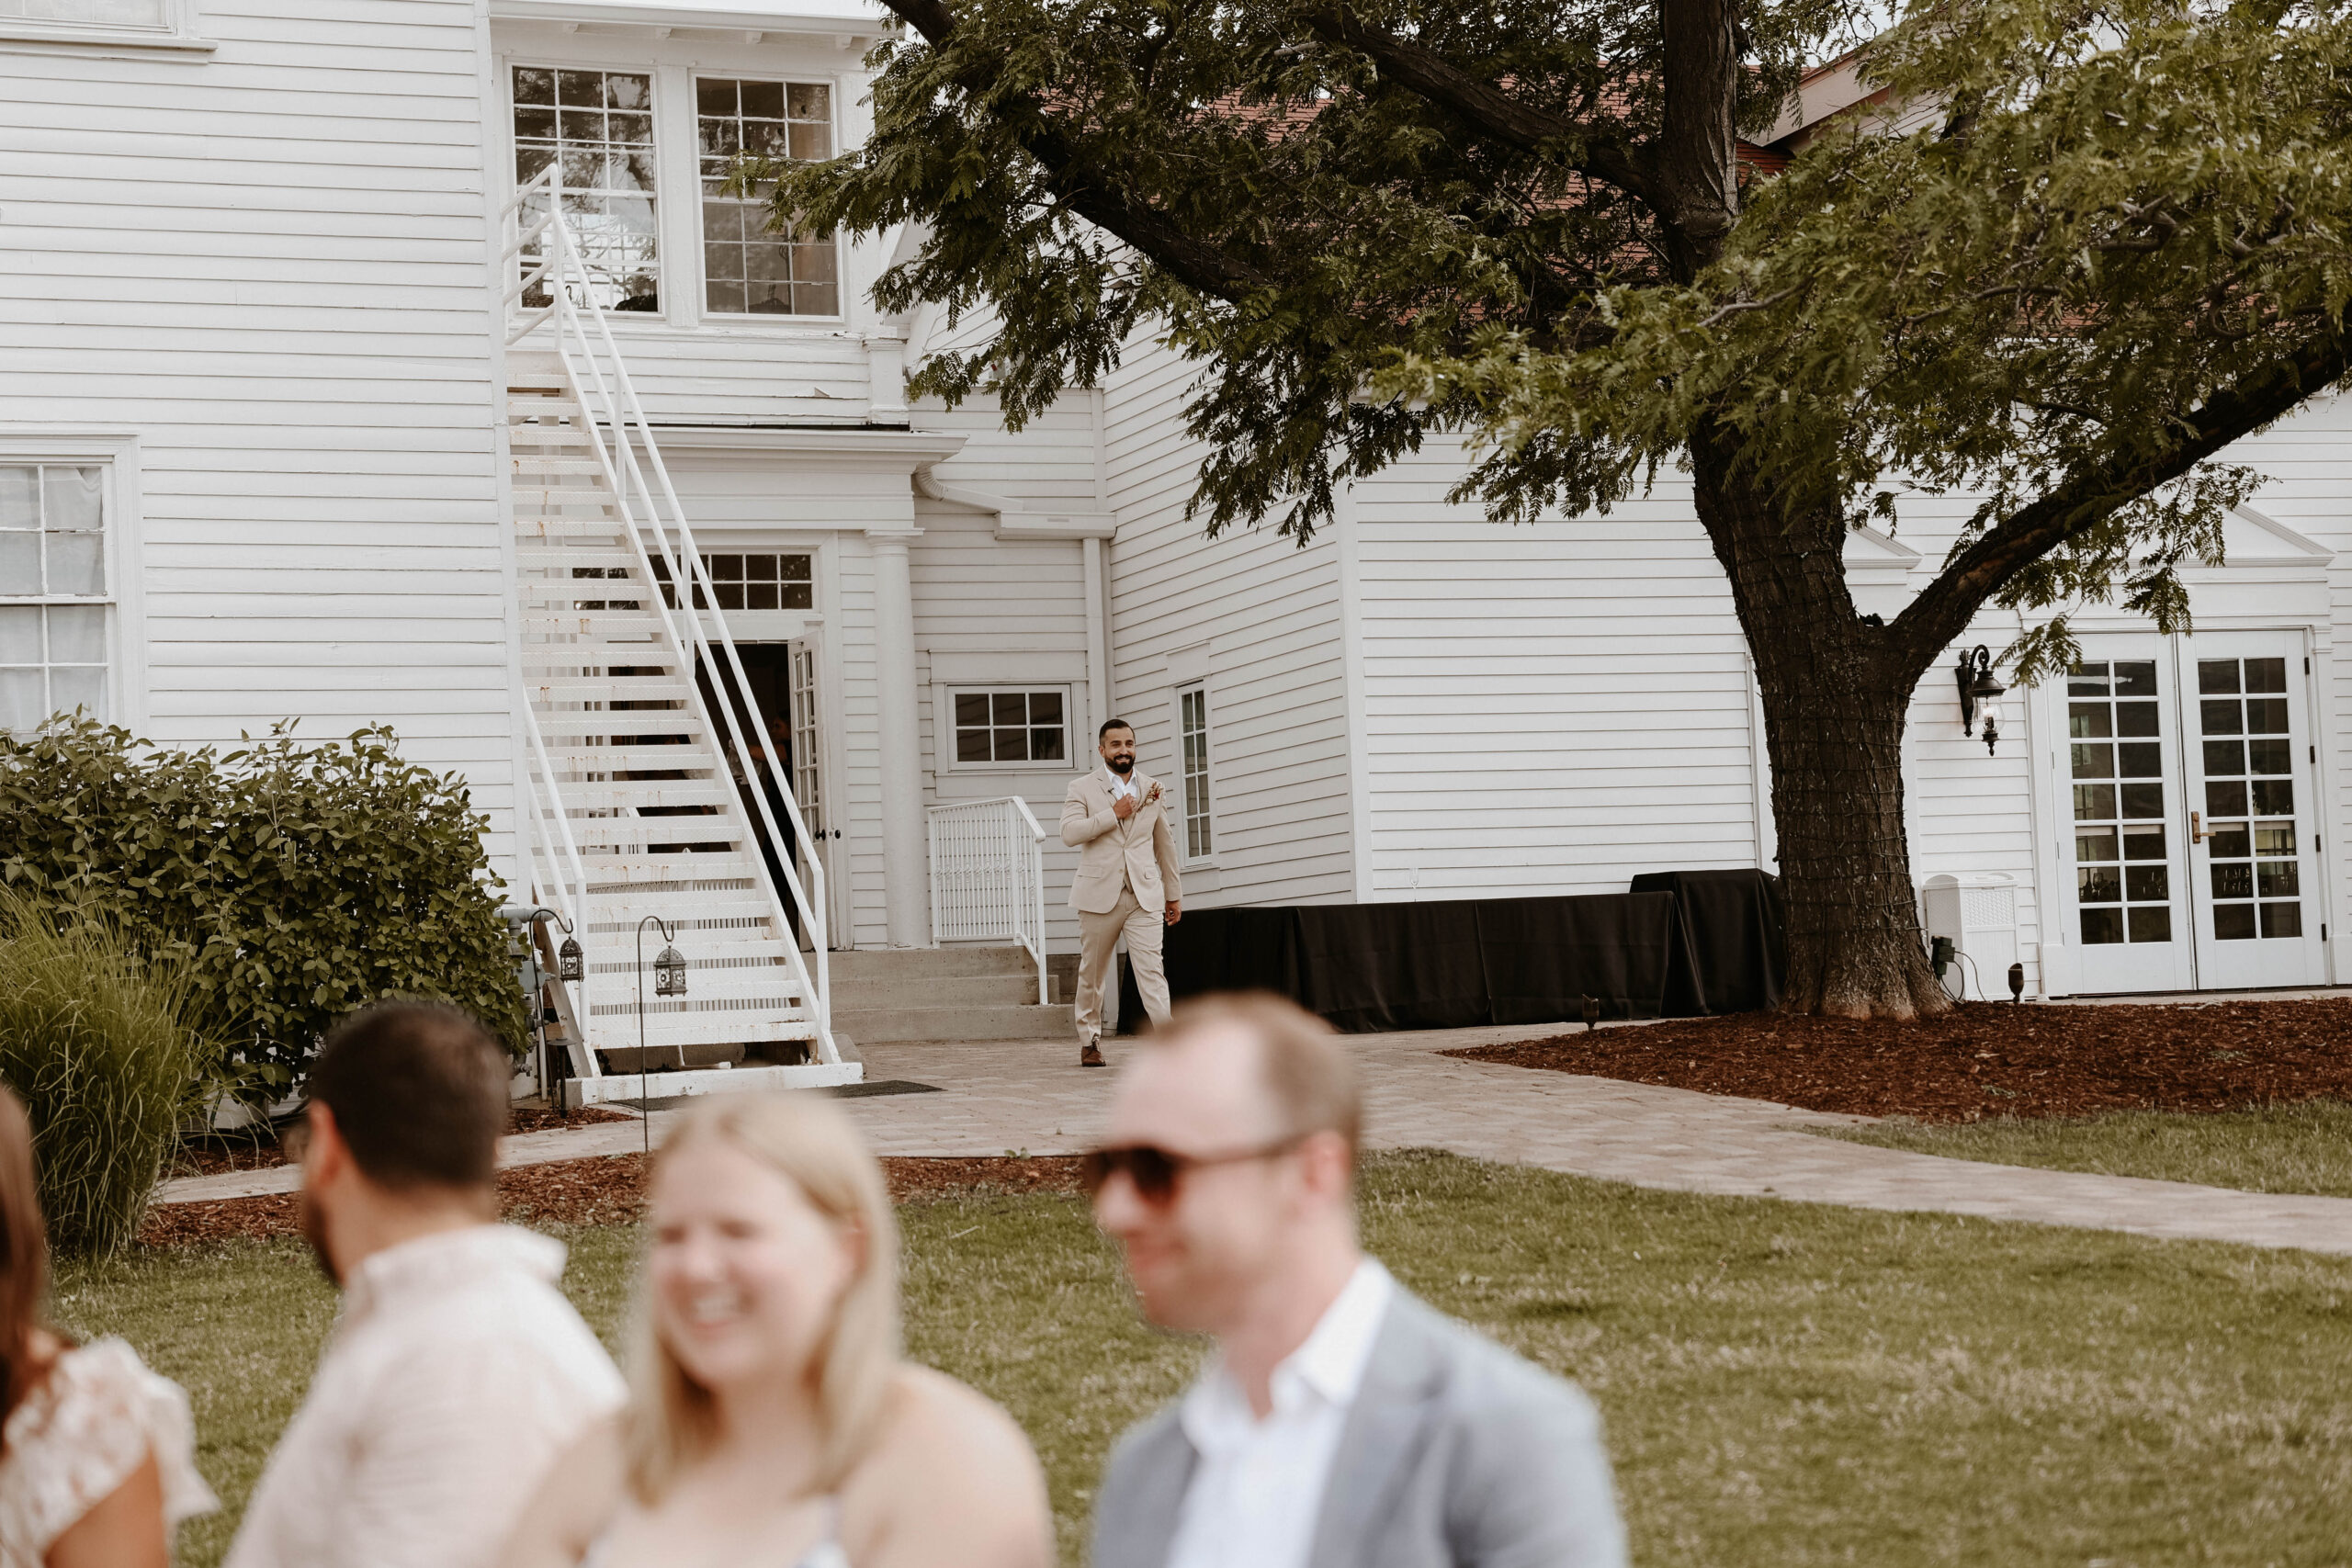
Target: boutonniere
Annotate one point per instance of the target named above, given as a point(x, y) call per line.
point(1151, 795)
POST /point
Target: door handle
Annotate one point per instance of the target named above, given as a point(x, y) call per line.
point(2197, 833)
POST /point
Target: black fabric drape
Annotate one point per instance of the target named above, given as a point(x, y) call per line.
point(1447, 965)
point(1729, 952)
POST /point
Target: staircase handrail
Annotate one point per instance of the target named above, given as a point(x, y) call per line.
point(565, 882)
point(607, 411)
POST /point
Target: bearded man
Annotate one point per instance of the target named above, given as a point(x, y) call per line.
point(1126, 883)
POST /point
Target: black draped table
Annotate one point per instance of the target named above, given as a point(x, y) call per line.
point(1678, 942)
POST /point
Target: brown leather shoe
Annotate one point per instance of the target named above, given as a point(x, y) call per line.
point(1089, 1057)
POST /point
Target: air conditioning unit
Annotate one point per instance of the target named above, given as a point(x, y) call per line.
point(1977, 912)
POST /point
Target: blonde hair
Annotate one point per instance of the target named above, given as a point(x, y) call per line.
point(672, 1422)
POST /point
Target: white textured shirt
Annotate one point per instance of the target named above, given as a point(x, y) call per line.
point(455, 1376)
point(1258, 1489)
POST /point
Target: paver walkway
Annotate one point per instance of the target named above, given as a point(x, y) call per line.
point(1026, 1097)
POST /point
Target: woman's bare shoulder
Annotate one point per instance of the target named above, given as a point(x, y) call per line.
point(951, 1477)
point(930, 1410)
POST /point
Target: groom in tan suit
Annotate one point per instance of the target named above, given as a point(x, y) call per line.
point(1126, 880)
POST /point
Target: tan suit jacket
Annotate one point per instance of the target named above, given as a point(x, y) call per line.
point(1139, 852)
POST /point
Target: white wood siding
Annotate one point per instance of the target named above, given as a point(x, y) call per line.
point(269, 264)
point(1551, 707)
point(1262, 618)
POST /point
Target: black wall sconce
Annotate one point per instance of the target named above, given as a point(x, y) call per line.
point(1979, 695)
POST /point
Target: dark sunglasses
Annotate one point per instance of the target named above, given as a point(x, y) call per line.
point(1156, 1172)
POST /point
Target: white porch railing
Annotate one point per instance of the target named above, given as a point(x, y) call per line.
point(987, 877)
point(542, 255)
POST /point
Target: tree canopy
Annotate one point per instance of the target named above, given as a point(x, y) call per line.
point(2072, 251)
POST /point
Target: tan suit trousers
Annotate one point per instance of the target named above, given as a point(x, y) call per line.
point(1099, 939)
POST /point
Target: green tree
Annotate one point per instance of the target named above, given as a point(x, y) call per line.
point(2089, 247)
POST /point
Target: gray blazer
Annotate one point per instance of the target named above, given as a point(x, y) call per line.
point(1456, 1454)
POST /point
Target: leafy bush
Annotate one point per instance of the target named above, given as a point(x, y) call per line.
point(297, 883)
point(95, 1039)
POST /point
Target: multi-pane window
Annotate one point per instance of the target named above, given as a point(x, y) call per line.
point(1010, 726)
point(596, 128)
point(762, 581)
point(2122, 883)
point(748, 269)
point(53, 593)
point(2249, 798)
point(1192, 710)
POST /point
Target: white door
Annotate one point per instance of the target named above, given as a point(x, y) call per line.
point(2253, 771)
point(2192, 782)
point(808, 767)
point(2131, 907)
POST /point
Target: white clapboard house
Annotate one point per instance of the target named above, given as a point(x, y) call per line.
point(399, 361)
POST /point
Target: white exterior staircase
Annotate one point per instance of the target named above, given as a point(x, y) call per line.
point(634, 810)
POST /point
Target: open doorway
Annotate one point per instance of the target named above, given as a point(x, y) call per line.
point(779, 725)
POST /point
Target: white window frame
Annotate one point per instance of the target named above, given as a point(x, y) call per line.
point(1182, 828)
point(664, 261)
point(177, 34)
point(944, 728)
point(746, 319)
point(116, 454)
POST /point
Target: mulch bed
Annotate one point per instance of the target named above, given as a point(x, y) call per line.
point(257, 1150)
point(1986, 1059)
point(603, 1190)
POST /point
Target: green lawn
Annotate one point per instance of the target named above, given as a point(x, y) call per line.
point(2280, 1148)
point(1784, 1385)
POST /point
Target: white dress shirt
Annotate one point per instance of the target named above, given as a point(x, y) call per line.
point(455, 1376)
point(1258, 1489)
point(1121, 788)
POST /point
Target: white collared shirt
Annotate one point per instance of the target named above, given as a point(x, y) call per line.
point(455, 1376)
point(1258, 1489)
point(1122, 788)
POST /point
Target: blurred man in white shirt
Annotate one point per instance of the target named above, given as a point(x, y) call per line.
point(457, 1372)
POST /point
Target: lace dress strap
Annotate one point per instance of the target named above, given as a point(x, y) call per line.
point(78, 1437)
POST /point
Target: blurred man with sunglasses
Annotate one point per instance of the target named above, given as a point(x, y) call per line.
point(1342, 1423)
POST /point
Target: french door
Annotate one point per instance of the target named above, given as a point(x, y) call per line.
point(2190, 780)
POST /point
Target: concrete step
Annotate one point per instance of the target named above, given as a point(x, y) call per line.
point(916, 964)
point(960, 991)
point(901, 1025)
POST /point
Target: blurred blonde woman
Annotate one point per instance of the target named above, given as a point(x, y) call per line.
point(772, 1423)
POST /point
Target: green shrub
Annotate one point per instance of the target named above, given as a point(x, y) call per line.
point(297, 883)
point(95, 1039)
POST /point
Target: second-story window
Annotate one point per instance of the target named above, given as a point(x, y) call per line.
point(596, 126)
point(748, 269)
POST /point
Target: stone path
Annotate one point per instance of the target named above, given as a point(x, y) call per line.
point(1026, 1097)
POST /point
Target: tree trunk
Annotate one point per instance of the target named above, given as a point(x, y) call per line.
point(1834, 695)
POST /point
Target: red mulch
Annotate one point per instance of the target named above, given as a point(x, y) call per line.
point(1986, 1059)
point(608, 1189)
point(259, 1150)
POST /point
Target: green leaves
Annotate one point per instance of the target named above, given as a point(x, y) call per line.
point(296, 882)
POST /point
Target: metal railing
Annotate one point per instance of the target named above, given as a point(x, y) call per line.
point(559, 881)
point(649, 509)
point(987, 877)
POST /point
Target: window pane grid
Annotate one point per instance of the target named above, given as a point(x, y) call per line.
point(2255, 869)
point(2122, 866)
point(53, 602)
point(1010, 726)
point(1193, 710)
point(597, 126)
point(747, 268)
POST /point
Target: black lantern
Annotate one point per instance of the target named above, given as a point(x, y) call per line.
point(670, 973)
point(1979, 695)
point(570, 962)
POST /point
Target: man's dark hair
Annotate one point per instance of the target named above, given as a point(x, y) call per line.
point(418, 1091)
point(1110, 723)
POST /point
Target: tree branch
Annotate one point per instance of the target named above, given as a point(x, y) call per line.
point(1094, 193)
point(1494, 112)
point(1942, 611)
